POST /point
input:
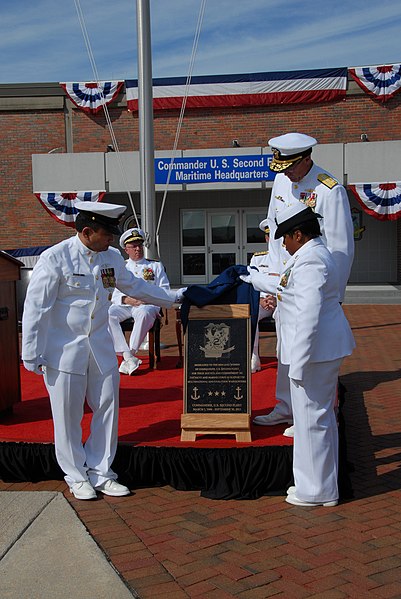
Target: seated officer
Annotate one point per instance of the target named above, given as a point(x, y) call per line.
point(123, 306)
point(266, 302)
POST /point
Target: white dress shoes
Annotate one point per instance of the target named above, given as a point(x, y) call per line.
point(129, 366)
point(255, 364)
point(83, 490)
point(113, 488)
point(272, 419)
point(293, 499)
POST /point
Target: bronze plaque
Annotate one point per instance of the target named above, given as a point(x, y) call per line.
point(217, 364)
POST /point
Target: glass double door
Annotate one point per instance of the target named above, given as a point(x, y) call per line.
point(213, 240)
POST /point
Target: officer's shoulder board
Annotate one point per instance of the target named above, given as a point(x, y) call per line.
point(154, 260)
point(328, 181)
point(261, 253)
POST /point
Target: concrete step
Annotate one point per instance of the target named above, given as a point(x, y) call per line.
point(373, 294)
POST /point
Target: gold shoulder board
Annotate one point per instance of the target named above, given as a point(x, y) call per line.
point(260, 253)
point(327, 180)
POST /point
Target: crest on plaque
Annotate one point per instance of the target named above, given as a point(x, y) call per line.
point(216, 340)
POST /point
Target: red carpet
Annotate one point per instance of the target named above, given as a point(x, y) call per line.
point(150, 410)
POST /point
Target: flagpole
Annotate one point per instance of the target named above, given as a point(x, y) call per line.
point(146, 135)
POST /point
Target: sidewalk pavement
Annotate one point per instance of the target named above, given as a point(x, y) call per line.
point(172, 544)
point(46, 551)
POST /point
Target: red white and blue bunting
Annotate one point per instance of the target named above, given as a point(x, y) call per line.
point(218, 91)
point(381, 200)
point(380, 82)
point(91, 97)
point(60, 205)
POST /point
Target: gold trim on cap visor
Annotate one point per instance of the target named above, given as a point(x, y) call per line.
point(281, 164)
point(134, 238)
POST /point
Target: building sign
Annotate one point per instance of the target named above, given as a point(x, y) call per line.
point(214, 169)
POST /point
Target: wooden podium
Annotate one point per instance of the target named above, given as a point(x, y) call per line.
point(217, 375)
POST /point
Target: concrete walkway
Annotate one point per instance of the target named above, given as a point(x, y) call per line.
point(169, 544)
point(45, 551)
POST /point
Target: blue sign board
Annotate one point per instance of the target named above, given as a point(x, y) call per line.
point(214, 169)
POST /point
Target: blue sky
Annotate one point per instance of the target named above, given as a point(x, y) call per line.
point(41, 40)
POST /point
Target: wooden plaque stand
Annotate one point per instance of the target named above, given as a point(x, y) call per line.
point(217, 422)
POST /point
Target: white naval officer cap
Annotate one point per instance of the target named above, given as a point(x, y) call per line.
point(106, 215)
point(288, 149)
point(132, 235)
point(264, 226)
point(291, 217)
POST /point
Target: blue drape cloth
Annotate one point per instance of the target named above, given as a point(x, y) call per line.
point(31, 251)
point(227, 288)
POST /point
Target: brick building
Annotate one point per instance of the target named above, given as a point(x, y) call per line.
point(50, 145)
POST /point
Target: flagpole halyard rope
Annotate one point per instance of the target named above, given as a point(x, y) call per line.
point(182, 112)
point(104, 105)
point(107, 115)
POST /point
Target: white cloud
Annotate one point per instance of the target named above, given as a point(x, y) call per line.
point(42, 41)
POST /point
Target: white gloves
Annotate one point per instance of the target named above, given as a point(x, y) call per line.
point(179, 295)
point(33, 366)
point(248, 278)
point(267, 283)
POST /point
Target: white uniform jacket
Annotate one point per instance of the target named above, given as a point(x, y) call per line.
point(66, 308)
point(328, 198)
point(261, 261)
point(310, 321)
point(149, 270)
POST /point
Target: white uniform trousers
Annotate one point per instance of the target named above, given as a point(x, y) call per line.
point(315, 461)
point(67, 394)
point(283, 392)
point(262, 314)
point(144, 317)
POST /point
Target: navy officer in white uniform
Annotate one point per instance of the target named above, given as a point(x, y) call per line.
point(313, 338)
point(301, 181)
point(65, 336)
point(123, 306)
point(261, 261)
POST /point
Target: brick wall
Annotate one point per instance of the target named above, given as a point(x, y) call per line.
point(31, 132)
point(21, 214)
point(337, 122)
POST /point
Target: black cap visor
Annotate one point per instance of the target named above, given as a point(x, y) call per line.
point(291, 224)
point(110, 224)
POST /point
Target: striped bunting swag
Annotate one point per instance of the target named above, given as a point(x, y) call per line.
point(381, 200)
point(60, 205)
point(380, 82)
point(91, 97)
point(219, 91)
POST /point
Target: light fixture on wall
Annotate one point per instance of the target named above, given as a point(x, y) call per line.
point(364, 137)
point(235, 143)
point(56, 150)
